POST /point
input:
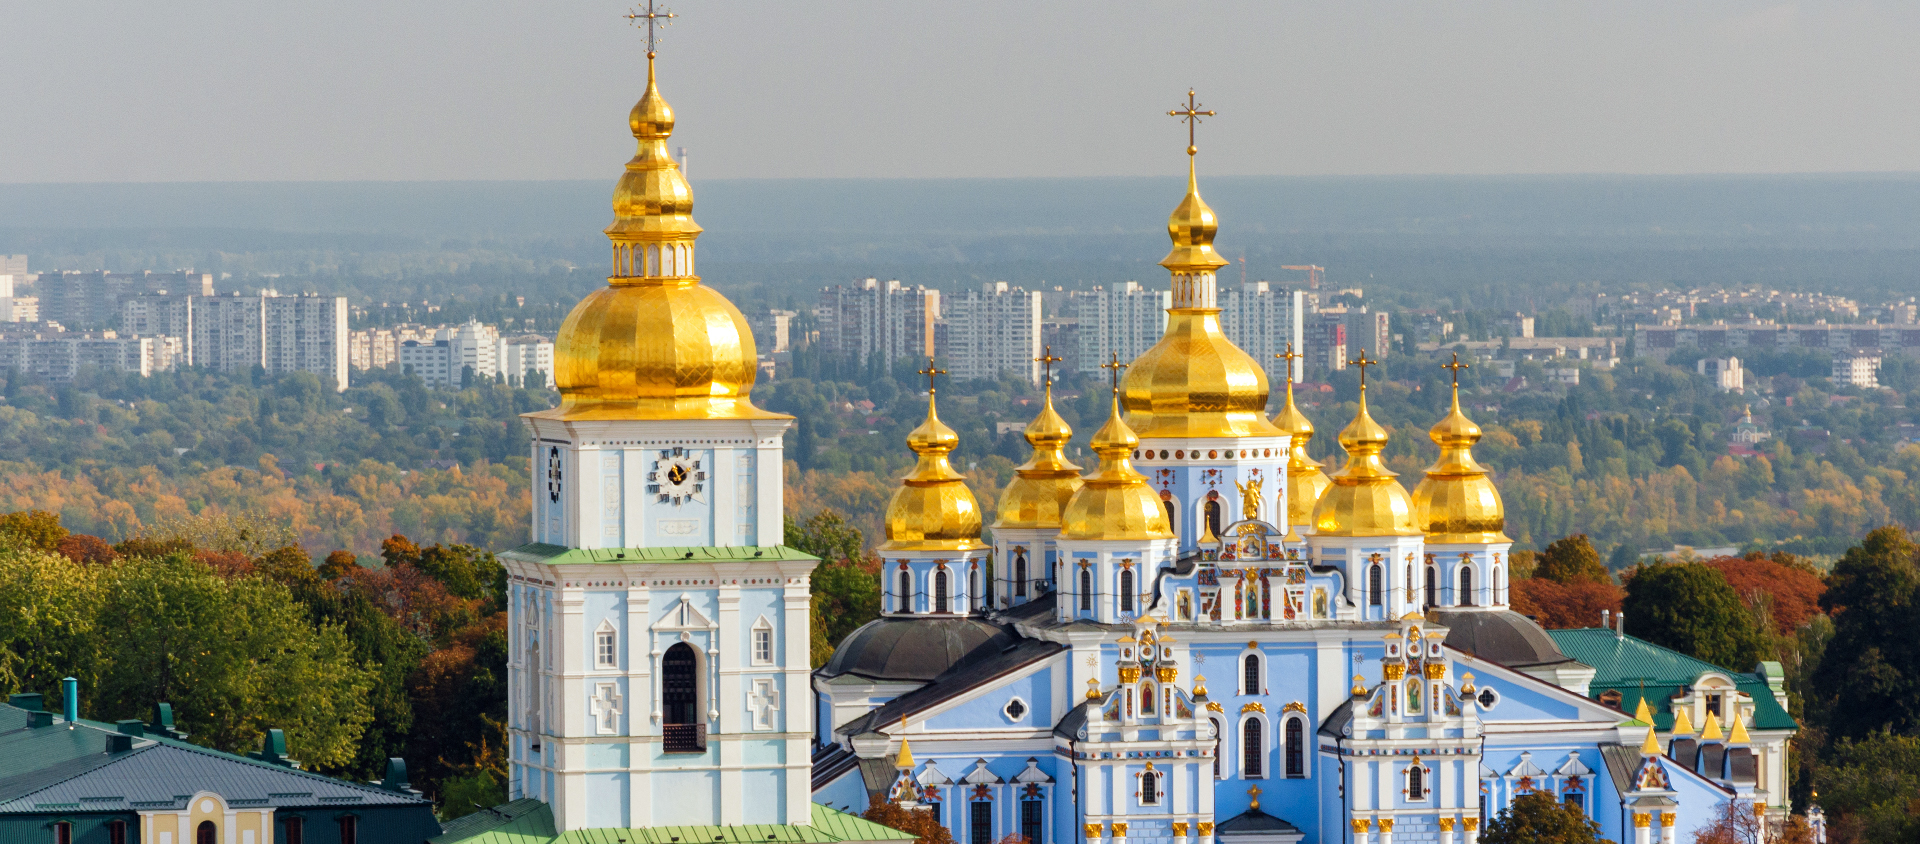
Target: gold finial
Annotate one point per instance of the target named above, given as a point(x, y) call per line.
point(1254, 794)
point(1643, 713)
point(1359, 687)
point(1739, 734)
point(1651, 747)
point(1289, 356)
point(1093, 688)
point(1046, 360)
point(656, 19)
point(1363, 362)
point(1456, 366)
point(1113, 367)
point(1682, 722)
point(931, 372)
point(1190, 115)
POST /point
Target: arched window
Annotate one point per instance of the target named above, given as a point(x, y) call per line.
point(1466, 586)
point(1432, 586)
point(973, 589)
point(1150, 788)
point(1020, 574)
point(1252, 750)
point(206, 834)
point(903, 599)
point(1374, 576)
point(1219, 746)
point(1250, 675)
point(1126, 590)
point(681, 723)
point(940, 591)
point(1416, 783)
point(1296, 749)
point(653, 260)
point(1172, 524)
point(1213, 514)
point(1499, 586)
point(1147, 697)
point(1086, 589)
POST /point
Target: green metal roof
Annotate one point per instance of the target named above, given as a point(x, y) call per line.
point(529, 821)
point(1636, 668)
point(541, 552)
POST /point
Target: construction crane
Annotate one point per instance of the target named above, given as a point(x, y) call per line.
point(1313, 273)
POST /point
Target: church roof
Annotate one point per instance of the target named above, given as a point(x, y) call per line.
point(956, 681)
point(530, 821)
point(1501, 636)
point(915, 649)
point(1638, 668)
point(541, 552)
point(1254, 822)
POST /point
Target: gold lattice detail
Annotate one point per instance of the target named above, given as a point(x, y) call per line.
point(1214, 706)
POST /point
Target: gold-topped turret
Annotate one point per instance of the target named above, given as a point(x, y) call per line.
point(1457, 503)
point(1115, 502)
point(1306, 481)
point(1364, 498)
point(654, 343)
point(1195, 382)
point(1043, 485)
point(933, 510)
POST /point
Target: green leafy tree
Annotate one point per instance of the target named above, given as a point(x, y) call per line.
point(37, 529)
point(46, 620)
point(1572, 560)
point(846, 584)
point(1691, 608)
point(1870, 789)
point(1871, 668)
point(1537, 818)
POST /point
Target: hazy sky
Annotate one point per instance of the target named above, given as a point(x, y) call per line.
point(191, 90)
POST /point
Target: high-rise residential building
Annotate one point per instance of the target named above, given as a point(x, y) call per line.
point(307, 333)
point(160, 315)
point(1125, 320)
point(431, 360)
point(14, 265)
point(59, 355)
point(14, 307)
point(1265, 319)
point(772, 331)
point(1365, 329)
point(473, 346)
point(991, 330)
point(227, 332)
point(1326, 341)
point(1858, 369)
point(871, 320)
point(86, 300)
point(235, 333)
point(527, 360)
point(1726, 373)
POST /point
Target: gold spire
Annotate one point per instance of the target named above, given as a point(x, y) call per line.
point(1305, 479)
point(1456, 503)
point(933, 510)
point(904, 761)
point(1364, 499)
point(1643, 713)
point(1115, 502)
point(1651, 747)
point(654, 343)
point(1682, 724)
point(1195, 382)
point(1041, 486)
point(1739, 735)
point(1711, 732)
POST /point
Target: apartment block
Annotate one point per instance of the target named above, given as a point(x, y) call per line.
point(991, 330)
point(307, 334)
point(1857, 369)
point(872, 320)
point(59, 356)
point(527, 361)
point(89, 300)
point(236, 333)
point(14, 307)
point(1839, 338)
point(1326, 341)
point(1265, 320)
point(1726, 373)
point(1125, 320)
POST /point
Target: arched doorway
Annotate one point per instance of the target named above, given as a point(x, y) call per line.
point(205, 834)
point(682, 728)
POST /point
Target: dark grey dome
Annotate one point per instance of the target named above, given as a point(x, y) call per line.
point(915, 649)
point(1501, 636)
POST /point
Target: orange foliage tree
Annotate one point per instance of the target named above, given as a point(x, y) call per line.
point(1561, 606)
point(1791, 586)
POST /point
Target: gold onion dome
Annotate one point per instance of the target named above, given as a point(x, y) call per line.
point(1041, 486)
point(1457, 503)
point(1116, 501)
point(1305, 479)
point(1364, 499)
point(654, 343)
point(933, 510)
point(1195, 382)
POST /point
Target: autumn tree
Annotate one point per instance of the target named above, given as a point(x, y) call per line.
point(1733, 823)
point(1872, 663)
point(1571, 560)
point(1690, 608)
point(1537, 818)
point(921, 823)
point(1789, 587)
point(36, 529)
point(1563, 606)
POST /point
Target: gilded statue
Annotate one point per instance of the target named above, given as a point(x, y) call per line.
point(1249, 498)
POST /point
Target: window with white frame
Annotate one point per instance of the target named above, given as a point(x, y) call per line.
point(1295, 736)
point(1150, 786)
point(1253, 750)
point(763, 642)
point(1219, 749)
point(1250, 675)
point(606, 646)
point(1416, 783)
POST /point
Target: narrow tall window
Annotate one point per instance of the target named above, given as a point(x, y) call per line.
point(763, 645)
point(1126, 590)
point(605, 649)
point(1219, 746)
point(1252, 751)
point(973, 589)
point(1466, 586)
point(682, 728)
point(940, 591)
point(116, 832)
point(1432, 586)
point(296, 830)
point(1171, 524)
point(1020, 574)
point(981, 826)
point(1086, 589)
point(906, 592)
point(206, 834)
point(63, 833)
point(349, 831)
point(1296, 750)
point(1499, 587)
point(1416, 784)
point(1373, 585)
point(1150, 789)
point(1032, 821)
point(1213, 516)
point(1250, 676)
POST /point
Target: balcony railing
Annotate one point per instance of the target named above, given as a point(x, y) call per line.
point(684, 738)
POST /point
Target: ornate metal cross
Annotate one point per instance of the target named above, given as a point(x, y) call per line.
point(1456, 366)
point(1114, 366)
point(931, 372)
point(1363, 362)
point(1047, 359)
point(1190, 115)
point(661, 18)
point(1289, 356)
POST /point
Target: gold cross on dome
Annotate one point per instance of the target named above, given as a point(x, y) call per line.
point(931, 372)
point(1254, 793)
point(1047, 359)
point(1456, 366)
point(1190, 115)
point(1114, 366)
point(1289, 356)
point(1363, 362)
point(661, 18)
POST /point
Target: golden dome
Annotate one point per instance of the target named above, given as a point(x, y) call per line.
point(1456, 503)
point(1305, 479)
point(933, 510)
point(1041, 486)
point(654, 343)
point(1364, 499)
point(1195, 382)
point(1116, 502)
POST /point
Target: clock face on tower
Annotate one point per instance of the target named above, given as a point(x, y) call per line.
point(553, 473)
point(676, 477)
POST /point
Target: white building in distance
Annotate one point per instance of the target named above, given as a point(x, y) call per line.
point(994, 329)
point(1859, 370)
point(1126, 321)
point(1264, 319)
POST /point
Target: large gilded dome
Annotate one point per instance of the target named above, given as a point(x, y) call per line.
point(933, 510)
point(1043, 485)
point(1195, 382)
point(654, 343)
point(1364, 499)
point(1116, 502)
point(1457, 503)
